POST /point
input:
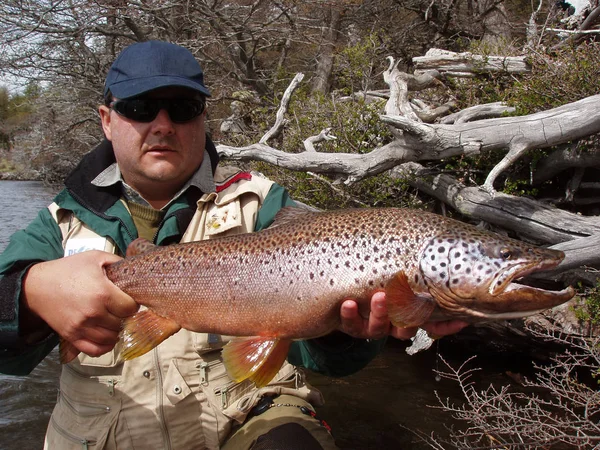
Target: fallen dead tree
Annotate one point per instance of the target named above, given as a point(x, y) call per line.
point(476, 131)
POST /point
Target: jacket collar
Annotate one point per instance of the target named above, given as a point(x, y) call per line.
point(100, 198)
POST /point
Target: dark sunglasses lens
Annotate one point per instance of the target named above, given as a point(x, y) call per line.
point(146, 109)
point(183, 110)
point(140, 110)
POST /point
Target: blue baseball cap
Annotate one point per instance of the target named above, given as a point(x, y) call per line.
point(150, 65)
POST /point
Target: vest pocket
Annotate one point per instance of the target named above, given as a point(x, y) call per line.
point(81, 425)
point(220, 391)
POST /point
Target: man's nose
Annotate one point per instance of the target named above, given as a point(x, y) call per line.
point(162, 123)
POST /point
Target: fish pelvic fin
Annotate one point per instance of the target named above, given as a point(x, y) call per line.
point(66, 351)
point(143, 331)
point(405, 307)
point(139, 246)
point(255, 358)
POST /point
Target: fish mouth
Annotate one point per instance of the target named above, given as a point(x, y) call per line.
point(511, 298)
point(527, 300)
point(504, 278)
point(508, 297)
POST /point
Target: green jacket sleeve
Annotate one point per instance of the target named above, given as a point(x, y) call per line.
point(336, 354)
point(40, 241)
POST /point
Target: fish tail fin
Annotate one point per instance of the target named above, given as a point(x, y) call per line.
point(139, 246)
point(255, 358)
point(405, 308)
point(143, 331)
point(67, 351)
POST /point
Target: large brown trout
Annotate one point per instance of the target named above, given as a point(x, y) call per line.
point(288, 281)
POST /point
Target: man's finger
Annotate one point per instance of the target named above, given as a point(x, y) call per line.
point(91, 348)
point(352, 322)
point(439, 329)
point(121, 305)
point(378, 325)
point(101, 336)
point(403, 333)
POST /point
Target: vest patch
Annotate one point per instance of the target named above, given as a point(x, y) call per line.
point(223, 218)
point(79, 245)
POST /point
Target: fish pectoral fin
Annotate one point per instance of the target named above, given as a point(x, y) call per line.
point(143, 331)
point(405, 307)
point(139, 246)
point(67, 351)
point(255, 358)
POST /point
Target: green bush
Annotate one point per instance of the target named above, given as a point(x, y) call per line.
point(589, 306)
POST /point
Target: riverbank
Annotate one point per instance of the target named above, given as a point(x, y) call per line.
point(19, 176)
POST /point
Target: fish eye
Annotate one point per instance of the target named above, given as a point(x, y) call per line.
point(505, 253)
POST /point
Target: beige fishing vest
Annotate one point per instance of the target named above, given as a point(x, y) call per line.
point(177, 396)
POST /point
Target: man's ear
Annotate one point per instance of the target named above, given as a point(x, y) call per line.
point(105, 118)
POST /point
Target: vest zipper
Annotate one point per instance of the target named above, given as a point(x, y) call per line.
point(223, 392)
point(85, 442)
point(84, 409)
point(160, 396)
point(164, 219)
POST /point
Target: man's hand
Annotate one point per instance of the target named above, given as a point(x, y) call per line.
point(76, 299)
point(372, 321)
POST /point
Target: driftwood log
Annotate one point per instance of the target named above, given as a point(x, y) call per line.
point(475, 130)
point(468, 64)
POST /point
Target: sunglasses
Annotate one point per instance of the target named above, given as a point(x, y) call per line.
point(180, 110)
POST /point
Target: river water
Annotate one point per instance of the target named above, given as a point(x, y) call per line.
point(368, 410)
point(25, 402)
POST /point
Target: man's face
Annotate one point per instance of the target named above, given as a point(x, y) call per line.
point(156, 158)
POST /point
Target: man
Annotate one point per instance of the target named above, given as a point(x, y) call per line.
point(156, 176)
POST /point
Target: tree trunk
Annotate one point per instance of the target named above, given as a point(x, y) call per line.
point(321, 82)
